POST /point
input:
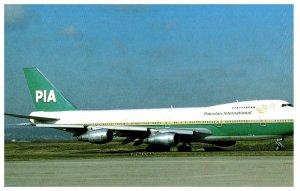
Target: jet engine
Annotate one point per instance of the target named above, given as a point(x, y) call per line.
point(99, 136)
point(163, 139)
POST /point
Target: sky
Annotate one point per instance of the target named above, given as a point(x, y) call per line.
point(150, 56)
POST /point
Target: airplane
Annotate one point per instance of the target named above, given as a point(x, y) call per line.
point(221, 125)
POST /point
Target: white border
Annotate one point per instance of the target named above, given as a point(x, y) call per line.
point(296, 70)
point(2, 93)
point(148, 2)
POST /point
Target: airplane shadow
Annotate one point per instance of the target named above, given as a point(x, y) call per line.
point(111, 152)
point(138, 151)
point(214, 149)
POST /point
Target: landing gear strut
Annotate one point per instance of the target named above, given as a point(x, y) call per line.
point(279, 145)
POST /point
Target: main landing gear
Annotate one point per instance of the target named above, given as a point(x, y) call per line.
point(158, 148)
point(184, 148)
point(279, 145)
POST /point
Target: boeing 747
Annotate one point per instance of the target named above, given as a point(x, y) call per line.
point(221, 125)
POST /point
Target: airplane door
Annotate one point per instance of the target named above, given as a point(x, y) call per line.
point(167, 122)
point(125, 121)
point(263, 118)
point(263, 121)
point(219, 121)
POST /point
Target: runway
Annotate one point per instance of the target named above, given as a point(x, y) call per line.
point(153, 171)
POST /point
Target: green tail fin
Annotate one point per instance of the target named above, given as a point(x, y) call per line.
point(45, 96)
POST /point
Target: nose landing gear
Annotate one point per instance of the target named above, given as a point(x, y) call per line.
point(279, 145)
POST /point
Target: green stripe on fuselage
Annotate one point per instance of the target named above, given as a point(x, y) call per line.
point(246, 129)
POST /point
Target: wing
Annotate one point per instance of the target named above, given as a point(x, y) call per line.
point(131, 132)
point(32, 117)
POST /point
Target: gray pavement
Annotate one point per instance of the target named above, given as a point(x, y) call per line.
point(156, 171)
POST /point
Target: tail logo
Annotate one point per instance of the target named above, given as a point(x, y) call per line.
point(45, 96)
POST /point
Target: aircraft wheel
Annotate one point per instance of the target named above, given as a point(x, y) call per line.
point(277, 148)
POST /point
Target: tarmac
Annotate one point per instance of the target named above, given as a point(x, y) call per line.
point(242, 171)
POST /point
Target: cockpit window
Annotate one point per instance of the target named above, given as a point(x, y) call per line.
point(286, 105)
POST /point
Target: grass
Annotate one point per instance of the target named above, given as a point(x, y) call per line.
point(77, 150)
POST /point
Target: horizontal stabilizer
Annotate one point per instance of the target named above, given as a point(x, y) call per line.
point(56, 126)
point(20, 124)
point(32, 117)
point(60, 126)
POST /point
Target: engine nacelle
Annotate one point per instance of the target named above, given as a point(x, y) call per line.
point(165, 139)
point(99, 136)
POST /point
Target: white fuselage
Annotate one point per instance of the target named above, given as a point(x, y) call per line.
point(237, 112)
